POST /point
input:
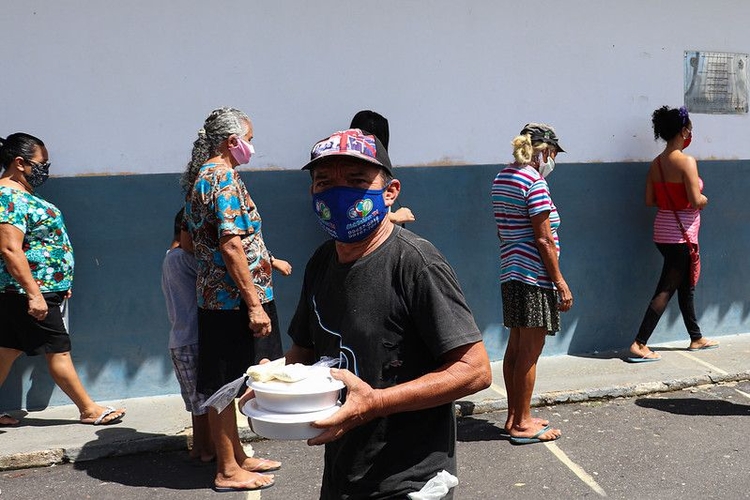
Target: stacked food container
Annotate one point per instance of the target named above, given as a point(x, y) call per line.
point(286, 409)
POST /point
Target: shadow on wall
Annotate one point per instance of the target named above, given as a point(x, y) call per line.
point(617, 265)
point(608, 256)
point(120, 227)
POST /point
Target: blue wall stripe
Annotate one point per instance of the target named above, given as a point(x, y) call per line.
point(120, 227)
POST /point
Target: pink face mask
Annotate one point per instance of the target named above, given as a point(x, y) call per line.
point(242, 151)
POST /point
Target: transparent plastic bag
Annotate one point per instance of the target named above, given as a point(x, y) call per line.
point(436, 488)
point(225, 395)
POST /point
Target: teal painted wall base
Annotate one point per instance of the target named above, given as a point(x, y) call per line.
point(121, 226)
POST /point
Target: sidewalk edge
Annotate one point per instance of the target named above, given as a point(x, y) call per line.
point(32, 459)
point(467, 407)
point(46, 458)
point(57, 456)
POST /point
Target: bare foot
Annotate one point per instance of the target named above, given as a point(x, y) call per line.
point(203, 457)
point(639, 350)
point(243, 480)
point(6, 420)
point(102, 415)
point(534, 434)
point(253, 464)
point(542, 422)
point(703, 343)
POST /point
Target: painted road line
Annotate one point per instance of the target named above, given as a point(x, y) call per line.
point(700, 361)
point(498, 390)
point(577, 469)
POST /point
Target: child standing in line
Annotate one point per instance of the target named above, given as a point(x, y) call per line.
point(178, 277)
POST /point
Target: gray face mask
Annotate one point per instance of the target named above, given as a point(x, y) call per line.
point(39, 173)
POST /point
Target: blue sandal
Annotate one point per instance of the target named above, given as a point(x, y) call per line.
point(533, 439)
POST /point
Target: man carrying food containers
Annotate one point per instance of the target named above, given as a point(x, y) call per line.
point(385, 303)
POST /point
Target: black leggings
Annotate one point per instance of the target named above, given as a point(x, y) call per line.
point(675, 275)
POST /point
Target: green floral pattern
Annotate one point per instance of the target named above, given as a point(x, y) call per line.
point(45, 242)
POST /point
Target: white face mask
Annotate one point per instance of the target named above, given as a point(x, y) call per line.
point(546, 168)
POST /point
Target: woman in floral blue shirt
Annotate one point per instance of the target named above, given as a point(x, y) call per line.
point(234, 286)
point(36, 273)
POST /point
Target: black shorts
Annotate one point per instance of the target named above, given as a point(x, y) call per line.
point(22, 332)
point(225, 345)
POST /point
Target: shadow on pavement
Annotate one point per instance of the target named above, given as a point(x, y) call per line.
point(169, 470)
point(619, 354)
point(27, 421)
point(694, 406)
point(475, 429)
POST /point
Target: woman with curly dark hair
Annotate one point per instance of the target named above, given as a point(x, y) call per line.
point(674, 187)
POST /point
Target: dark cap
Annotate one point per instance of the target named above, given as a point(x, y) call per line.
point(352, 143)
point(540, 132)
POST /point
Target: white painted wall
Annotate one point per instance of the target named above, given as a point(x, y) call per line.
point(123, 86)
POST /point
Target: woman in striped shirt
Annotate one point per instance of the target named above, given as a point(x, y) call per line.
point(533, 289)
point(673, 185)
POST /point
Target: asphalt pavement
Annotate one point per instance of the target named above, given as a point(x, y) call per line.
point(159, 424)
point(679, 445)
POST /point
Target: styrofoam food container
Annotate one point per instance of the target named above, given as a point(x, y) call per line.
point(311, 394)
point(290, 426)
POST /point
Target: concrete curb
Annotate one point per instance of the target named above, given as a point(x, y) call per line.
point(132, 447)
point(43, 458)
point(46, 458)
point(466, 408)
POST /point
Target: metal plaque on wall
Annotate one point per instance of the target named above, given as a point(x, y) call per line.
point(716, 82)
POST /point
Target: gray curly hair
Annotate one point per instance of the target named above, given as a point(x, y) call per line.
point(220, 124)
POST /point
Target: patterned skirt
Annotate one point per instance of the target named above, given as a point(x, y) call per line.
point(529, 306)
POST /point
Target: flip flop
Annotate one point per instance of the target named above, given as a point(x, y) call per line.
point(533, 439)
point(642, 359)
point(704, 347)
point(226, 489)
point(264, 468)
point(100, 419)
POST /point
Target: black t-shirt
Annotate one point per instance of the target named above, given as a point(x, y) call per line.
point(390, 316)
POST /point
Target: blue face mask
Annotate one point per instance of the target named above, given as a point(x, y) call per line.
point(350, 214)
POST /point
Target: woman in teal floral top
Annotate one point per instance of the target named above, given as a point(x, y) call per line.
point(36, 273)
point(234, 287)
